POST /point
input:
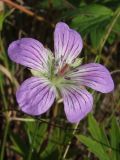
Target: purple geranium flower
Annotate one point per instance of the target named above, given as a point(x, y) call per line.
point(58, 75)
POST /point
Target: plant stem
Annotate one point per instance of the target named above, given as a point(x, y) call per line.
point(68, 146)
point(33, 141)
point(109, 29)
point(4, 140)
point(27, 11)
point(4, 57)
point(49, 129)
point(22, 119)
point(7, 122)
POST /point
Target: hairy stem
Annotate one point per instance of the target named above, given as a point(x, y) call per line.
point(49, 129)
point(68, 146)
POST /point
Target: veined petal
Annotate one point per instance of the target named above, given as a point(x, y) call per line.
point(35, 96)
point(77, 103)
point(93, 75)
point(30, 53)
point(67, 44)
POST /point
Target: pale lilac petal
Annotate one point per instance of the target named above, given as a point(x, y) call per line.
point(77, 103)
point(93, 75)
point(67, 44)
point(29, 52)
point(35, 96)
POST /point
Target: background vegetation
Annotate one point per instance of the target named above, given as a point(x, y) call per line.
point(38, 138)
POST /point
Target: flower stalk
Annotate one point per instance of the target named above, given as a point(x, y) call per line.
point(69, 143)
point(49, 129)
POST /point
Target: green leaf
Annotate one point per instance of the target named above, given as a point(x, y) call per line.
point(115, 139)
point(104, 139)
point(50, 153)
point(18, 145)
point(94, 147)
point(90, 16)
point(93, 127)
point(100, 141)
point(30, 129)
point(97, 132)
point(92, 10)
point(92, 19)
point(3, 16)
point(116, 27)
point(1, 21)
point(96, 34)
point(86, 24)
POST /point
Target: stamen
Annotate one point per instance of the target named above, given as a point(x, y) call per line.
point(64, 70)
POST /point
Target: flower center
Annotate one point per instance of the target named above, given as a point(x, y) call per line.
point(55, 74)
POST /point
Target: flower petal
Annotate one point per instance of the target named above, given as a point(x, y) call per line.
point(67, 44)
point(93, 75)
point(77, 103)
point(35, 96)
point(28, 52)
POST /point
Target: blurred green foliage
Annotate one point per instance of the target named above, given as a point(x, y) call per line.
point(99, 144)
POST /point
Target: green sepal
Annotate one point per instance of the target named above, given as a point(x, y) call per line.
point(36, 73)
point(78, 62)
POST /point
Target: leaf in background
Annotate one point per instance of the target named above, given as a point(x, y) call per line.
point(116, 31)
point(91, 19)
point(111, 38)
point(99, 144)
point(115, 139)
point(116, 27)
point(94, 147)
point(18, 144)
point(57, 141)
point(92, 10)
point(3, 17)
point(109, 28)
point(1, 21)
point(85, 24)
point(41, 131)
point(93, 127)
point(96, 131)
point(90, 15)
point(96, 35)
point(52, 146)
point(51, 152)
